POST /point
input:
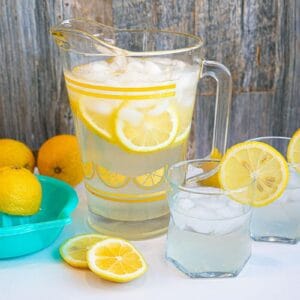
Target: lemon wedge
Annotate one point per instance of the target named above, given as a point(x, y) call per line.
point(74, 250)
point(116, 260)
point(257, 170)
point(146, 128)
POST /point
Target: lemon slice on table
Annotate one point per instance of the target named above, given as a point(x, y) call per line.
point(116, 260)
point(98, 116)
point(111, 179)
point(293, 151)
point(258, 170)
point(146, 128)
point(74, 250)
point(150, 180)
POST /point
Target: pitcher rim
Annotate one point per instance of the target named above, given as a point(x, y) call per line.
point(198, 42)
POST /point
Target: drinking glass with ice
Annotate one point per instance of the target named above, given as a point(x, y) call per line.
point(208, 233)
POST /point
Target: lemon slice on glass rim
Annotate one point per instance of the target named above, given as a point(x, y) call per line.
point(142, 127)
point(253, 173)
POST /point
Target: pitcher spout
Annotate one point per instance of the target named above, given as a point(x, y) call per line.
point(85, 37)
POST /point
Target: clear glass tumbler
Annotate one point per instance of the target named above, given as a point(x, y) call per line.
point(280, 220)
point(208, 233)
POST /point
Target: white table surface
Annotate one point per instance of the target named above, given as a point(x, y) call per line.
point(273, 272)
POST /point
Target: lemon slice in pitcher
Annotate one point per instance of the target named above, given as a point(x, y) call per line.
point(111, 179)
point(293, 151)
point(88, 169)
point(150, 180)
point(98, 116)
point(146, 128)
point(258, 170)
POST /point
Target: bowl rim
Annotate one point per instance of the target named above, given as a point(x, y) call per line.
point(62, 219)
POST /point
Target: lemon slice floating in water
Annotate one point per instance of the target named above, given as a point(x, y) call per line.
point(98, 116)
point(258, 170)
point(111, 179)
point(88, 169)
point(150, 180)
point(146, 128)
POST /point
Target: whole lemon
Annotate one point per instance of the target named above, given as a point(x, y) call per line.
point(15, 153)
point(20, 191)
point(59, 157)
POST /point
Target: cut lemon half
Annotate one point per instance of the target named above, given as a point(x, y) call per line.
point(88, 169)
point(293, 150)
point(116, 260)
point(254, 173)
point(74, 250)
point(150, 180)
point(146, 128)
point(111, 179)
point(98, 116)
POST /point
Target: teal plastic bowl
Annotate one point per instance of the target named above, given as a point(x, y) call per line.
point(24, 235)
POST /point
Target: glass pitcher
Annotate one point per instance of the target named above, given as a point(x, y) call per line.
point(132, 94)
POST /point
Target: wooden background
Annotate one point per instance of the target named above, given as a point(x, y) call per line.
point(259, 41)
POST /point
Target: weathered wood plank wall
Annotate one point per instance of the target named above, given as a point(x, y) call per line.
point(258, 40)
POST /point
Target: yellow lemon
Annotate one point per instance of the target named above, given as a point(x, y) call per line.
point(74, 250)
point(257, 170)
point(15, 153)
point(59, 157)
point(20, 191)
point(116, 260)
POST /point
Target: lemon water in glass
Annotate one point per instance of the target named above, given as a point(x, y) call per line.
point(208, 234)
point(280, 220)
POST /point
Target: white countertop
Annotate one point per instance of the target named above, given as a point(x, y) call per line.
point(273, 272)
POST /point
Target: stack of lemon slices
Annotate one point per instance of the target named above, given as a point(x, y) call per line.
point(112, 259)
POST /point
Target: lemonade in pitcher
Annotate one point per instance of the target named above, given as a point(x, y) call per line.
point(132, 93)
point(131, 127)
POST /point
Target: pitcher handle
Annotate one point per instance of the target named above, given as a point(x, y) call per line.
point(222, 103)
